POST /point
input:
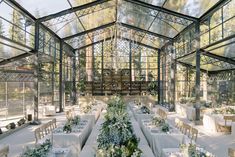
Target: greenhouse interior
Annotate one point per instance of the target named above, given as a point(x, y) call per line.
point(117, 78)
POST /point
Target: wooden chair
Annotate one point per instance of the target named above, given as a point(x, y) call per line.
point(186, 129)
point(231, 152)
point(54, 123)
point(177, 123)
point(162, 113)
point(194, 134)
point(37, 134)
point(228, 118)
point(181, 125)
point(4, 150)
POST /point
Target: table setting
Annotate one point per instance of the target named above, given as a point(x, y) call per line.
point(160, 134)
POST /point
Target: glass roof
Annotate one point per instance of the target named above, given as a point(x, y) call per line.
point(195, 8)
point(152, 20)
point(40, 8)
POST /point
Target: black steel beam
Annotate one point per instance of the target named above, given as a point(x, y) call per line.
point(15, 42)
point(219, 71)
point(154, 48)
point(221, 58)
point(22, 9)
point(164, 10)
point(89, 31)
point(219, 4)
point(145, 31)
point(122, 24)
point(159, 77)
point(141, 44)
point(71, 10)
point(61, 89)
point(85, 46)
point(219, 41)
point(190, 66)
point(12, 59)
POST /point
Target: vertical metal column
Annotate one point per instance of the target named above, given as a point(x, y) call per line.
point(92, 69)
point(61, 78)
point(53, 75)
point(159, 77)
point(36, 73)
point(163, 79)
point(102, 68)
point(130, 63)
point(74, 80)
point(6, 97)
point(197, 85)
point(173, 78)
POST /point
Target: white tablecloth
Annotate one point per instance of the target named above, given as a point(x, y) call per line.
point(159, 140)
point(171, 152)
point(210, 122)
point(137, 113)
point(89, 150)
point(73, 140)
point(185, 111)
point(49, 110)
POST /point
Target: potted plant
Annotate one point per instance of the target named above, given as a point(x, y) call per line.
point(11, 126)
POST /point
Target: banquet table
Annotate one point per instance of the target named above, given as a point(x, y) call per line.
point(210, 121)
point(73, 140)
point(49, 110)
point(89, 150)
point(159, 140)
point(138, 114)
point(175, 152)
point(185, 111)
point(171, 152)
point(93, 114)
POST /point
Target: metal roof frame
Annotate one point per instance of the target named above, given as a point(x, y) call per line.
point(161, 9)
point(109, 38)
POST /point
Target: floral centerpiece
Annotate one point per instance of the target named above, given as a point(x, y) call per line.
point(71, 125)
point(227, 110)
point(39, 151)
point(116, 136)
point(145, 110)
point(160, 122)
point(191, 150)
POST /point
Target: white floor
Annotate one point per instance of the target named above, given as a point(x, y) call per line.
point(217, 144)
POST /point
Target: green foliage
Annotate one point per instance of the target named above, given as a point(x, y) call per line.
point(67, 127)
point(39, 151)
point(11, 126)
point(145, 110)
point(116, 136)
point(68, 87)
point(152, 88)
point(159, 122)
point(70, 122)
point(76, 120)
point(81, 85)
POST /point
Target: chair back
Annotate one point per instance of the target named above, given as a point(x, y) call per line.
point(4, 150)
point(231, 152)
